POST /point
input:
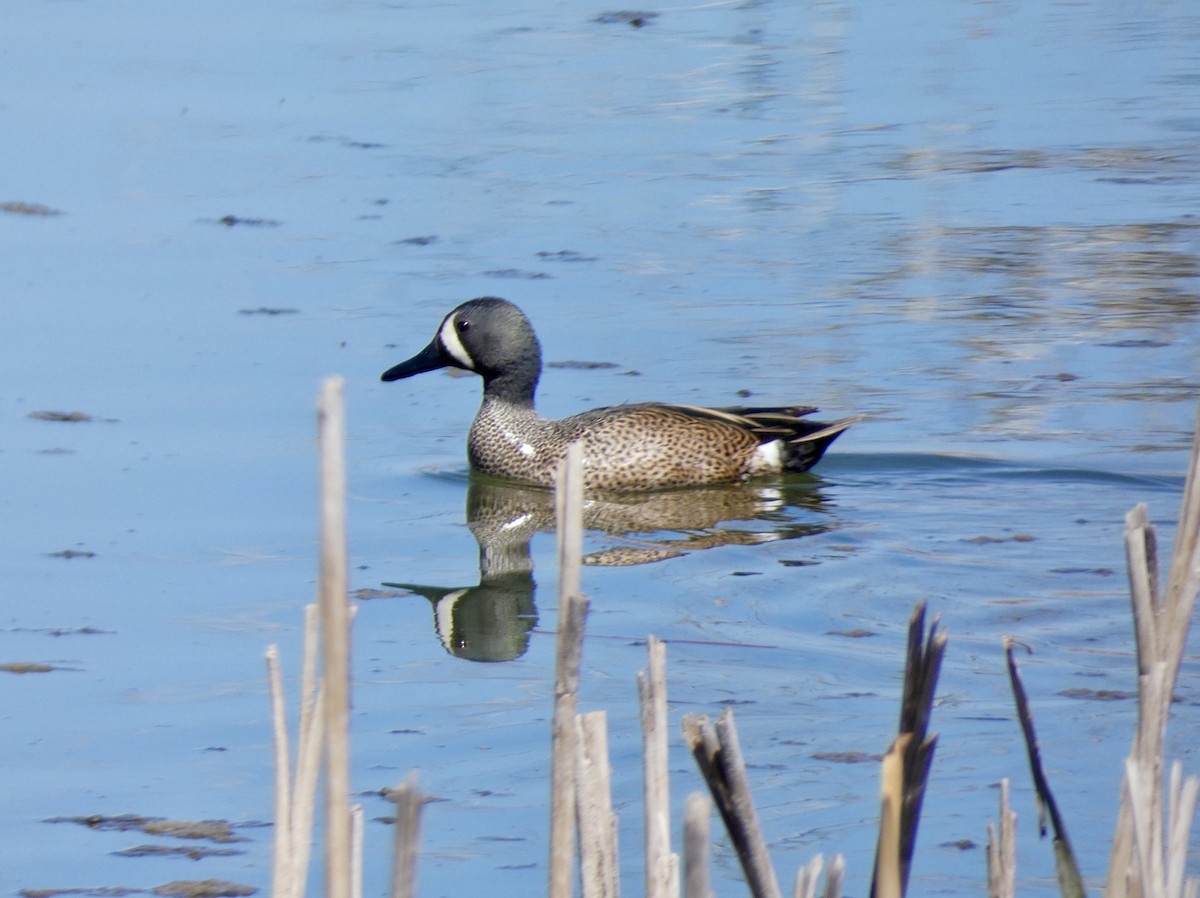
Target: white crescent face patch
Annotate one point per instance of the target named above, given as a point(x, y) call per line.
point(448, 337)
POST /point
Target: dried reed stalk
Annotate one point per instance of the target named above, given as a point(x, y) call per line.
point(598, 857)
point(662, 866)
point(568, 512)
point(333, 588)
point(356, 851)
point(310, 743)
point(295, 800)
point(906, 766)
point(696, 839)
point(1070, 882)
point(1152, 878)
point(719, 757)
point(1002, 851)
point(809, 875)
point(308, 672)
point(1161, 621)
point(1181, 811)
point(835, 876)
point(887, 881)
point(282, 881)
point(572, 612)
point(408, 801)
point(807, 878)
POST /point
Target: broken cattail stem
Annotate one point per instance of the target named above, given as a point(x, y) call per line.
point(834, 877)
point(1161, 622)
point(597, 824)
point(926, 648)
point(572, 612)
point(335, 638)
point(766, 884)
point(304, 796)
point(1002, 850)
point(696, 841)
point(281, 876)
point(568, 510)
point(807, 878)
point(1070, 882)
point(408, 801)
point(662, 867)
point(1181, 812)
point(356, 851)
point(308, 670)
point(888, 881)
point(719, 757)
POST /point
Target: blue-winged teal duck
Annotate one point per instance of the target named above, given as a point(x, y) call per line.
point(641, 446)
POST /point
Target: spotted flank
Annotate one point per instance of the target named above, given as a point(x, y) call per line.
point(641, 446)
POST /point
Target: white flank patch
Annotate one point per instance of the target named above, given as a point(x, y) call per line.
point(517, 522)
point(520, 445)
point(768, 457)
point(448, 337)
point(771, 498)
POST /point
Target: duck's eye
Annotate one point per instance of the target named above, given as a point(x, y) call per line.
point(461, 326)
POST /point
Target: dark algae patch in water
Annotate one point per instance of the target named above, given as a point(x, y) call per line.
point(581, 366)
point(186, 888)
point(24, 667)
point(631, 17)
point(218, 831)
point(18, 208)
point(230, 221)
point(517, 274)
point(193, 852)
point(106, 892)
point(212, 830)
point(203, 888)
point(1016, 538)
point(564, 255)
point(1098, 695)
point(847, 757)
point(72, 417)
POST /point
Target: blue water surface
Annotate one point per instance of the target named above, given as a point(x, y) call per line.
point(973, 224)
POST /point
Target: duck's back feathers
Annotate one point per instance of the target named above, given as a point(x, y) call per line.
point(656, 444)
point(782, 431)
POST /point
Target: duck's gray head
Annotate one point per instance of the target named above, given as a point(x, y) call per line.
point(489, 336)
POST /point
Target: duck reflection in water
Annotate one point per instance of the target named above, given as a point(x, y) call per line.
point(493, 620)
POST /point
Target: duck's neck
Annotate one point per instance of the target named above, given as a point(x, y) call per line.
point(514, 387)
